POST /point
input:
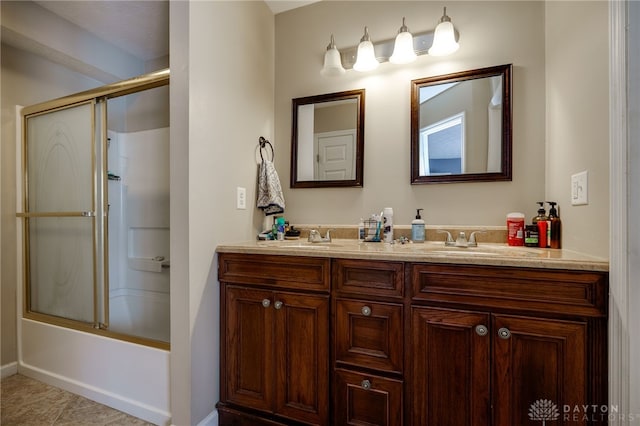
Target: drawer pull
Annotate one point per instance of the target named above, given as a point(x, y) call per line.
point(482, 330)
point(278, 305)
point(504, 333)
point(266, 303)
point(366, 311)
point(366, 384)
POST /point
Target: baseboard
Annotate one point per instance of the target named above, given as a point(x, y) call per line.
point(126, 405)
point(210, 420)
point(8, 369)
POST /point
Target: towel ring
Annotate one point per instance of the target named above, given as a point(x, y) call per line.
point(263, 145)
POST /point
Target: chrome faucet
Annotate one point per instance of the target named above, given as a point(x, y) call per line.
point(461, 240)
point(315, 237)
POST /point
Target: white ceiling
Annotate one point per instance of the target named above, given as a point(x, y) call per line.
point(140, 27)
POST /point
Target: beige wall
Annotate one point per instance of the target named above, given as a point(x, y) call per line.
point(221, 103)
point(577, 111)
point(491, 33)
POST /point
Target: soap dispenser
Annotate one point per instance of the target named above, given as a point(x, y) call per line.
point(542, 222)
point(542, 214)
point(555, 225)
point(417, 228)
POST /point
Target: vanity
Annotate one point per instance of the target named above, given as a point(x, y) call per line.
point(349, 333)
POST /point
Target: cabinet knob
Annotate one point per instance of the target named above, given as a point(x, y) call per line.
point(482, 330)
point(278, 304)
point(366, 384)
point(266, 303)
point(366, 311)
point(504, 333)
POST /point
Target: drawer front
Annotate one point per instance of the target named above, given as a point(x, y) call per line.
point(369, 334)
point(545, 291)
point(362, 399)
point(303, 273)
point(369, 278)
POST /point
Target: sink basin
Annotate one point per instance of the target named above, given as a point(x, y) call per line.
point(481, 250)
point(302, 245)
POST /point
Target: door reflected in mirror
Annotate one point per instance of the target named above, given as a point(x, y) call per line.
point(327, 140)
point(461, 126)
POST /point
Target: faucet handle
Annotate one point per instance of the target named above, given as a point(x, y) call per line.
point(327, 238)
point(472, 238)
point(449, 241)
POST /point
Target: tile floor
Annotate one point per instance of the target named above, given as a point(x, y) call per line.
point(28, 402)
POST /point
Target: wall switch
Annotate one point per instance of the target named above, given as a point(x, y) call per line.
point(241, 198)
point(580, 189)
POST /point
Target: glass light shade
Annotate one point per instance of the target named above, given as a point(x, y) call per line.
point(444, 40)
point(403, 52)
point(332, 61)
point(366, 56)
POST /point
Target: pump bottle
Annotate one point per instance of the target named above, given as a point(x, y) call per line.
point(417, 228)
point(555, 240)
point(541, 221)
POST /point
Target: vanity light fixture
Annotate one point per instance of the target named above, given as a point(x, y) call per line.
point(332, 62)
point(403, 52)
point(444, 39)
point(366, 59)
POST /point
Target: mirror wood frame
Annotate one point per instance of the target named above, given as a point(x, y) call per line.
point(505, 72)
point(359, 95)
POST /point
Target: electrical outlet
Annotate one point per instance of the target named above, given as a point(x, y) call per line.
point(580, 189)
point(241, 198)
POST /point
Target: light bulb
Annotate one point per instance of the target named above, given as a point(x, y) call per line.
point(444, 38)
point(403, 52)
point(332, 62)
point(366, 59)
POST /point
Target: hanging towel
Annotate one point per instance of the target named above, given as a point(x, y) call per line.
point(270, 198)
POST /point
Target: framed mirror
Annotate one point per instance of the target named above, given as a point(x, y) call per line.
point(461, 127)
point(327, 140)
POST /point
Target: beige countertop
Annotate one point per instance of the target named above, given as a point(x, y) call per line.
point(430, 252)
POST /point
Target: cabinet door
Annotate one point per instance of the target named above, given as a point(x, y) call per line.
point(539, 368)
point(302, 357)
point(367, 400)
point(450, 350)
point(248, 347)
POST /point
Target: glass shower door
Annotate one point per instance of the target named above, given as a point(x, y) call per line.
point(60, 213)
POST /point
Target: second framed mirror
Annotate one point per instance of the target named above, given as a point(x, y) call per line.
point(461, 126)
point(327, 140)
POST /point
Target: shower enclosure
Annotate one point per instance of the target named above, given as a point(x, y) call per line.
point(96, 211)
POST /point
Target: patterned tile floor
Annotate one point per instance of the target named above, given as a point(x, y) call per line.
point(28, 402)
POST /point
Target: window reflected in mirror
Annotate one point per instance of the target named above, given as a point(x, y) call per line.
point(461, 127)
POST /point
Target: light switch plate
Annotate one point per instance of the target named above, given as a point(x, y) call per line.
point(580, 189)
point(241, 198)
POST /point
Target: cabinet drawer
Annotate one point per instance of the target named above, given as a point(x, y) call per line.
point(362, 399)
point(303, 273)
point(369, 278)
point(369, 334)
point(547, 291)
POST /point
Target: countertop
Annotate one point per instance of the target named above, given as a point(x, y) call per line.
point(430, 252)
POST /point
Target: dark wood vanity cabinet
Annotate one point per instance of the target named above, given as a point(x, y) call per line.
point(490, 344)
point(274, 340)
point(368, 328)
point(318, 341)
